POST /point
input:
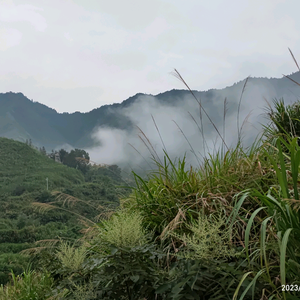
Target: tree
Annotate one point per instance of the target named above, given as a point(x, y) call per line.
point(78, 159)
point(82, 159)
point(116, 172)
point(96, 173)
point(63, 155)
point(43, 150)
point(52, 155)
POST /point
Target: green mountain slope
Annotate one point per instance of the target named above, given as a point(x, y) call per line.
point(21, 119)
point(23, 174)
point(24, 166)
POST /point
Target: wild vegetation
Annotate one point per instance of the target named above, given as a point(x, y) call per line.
point(28, 175)
point(228, 230)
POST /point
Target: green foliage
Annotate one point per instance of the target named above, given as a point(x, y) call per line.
point(13, 247)
point(102, 193)
point(128, 273)
point(197, 279)
point(23, 235)
point(285, 119)
point(117, 263)
point(123, 229)
point(43, 150)
point(77, 159)
point(98, 173)
point(18, 190)
point(125, 273)
point(208, 238)
point(279, 247)
point(24, 171)
point(70, 257)
point(11, 261)
point(63, 155)
point(44, 196)
point(28, 286)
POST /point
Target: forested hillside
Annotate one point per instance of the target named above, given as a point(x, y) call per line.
point(28, 175)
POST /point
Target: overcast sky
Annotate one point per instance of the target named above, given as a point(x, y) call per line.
point(77, 55)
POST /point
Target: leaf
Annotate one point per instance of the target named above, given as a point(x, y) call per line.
point(283, 246)
point(113, 250)
point(248, 229)
point(135, 278)
point(163, 288)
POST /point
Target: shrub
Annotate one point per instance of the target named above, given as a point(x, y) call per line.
point(28, 286)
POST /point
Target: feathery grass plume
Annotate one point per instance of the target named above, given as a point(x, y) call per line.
point(41, 245)
point(123, 229)
point(201, 131)
point(70, 256)
point(178, 76)
point(208, 238)
point(224, 118)
point(44, 207)
point(159, 133)
point(86, 291)
point(68, 200)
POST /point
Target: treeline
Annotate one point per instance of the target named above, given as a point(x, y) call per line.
point(77, 158)
point(80, 159)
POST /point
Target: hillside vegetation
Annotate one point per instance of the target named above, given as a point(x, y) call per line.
point(27, 176)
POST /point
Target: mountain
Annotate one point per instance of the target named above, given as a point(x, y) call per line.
point(21, 118)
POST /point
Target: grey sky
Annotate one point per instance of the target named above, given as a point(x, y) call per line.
point(76, 55)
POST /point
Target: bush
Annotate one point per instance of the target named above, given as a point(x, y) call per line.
point(19, 190)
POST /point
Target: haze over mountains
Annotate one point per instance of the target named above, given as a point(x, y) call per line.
point(109, 132)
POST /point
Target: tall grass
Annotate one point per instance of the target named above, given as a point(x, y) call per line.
point(281, 262)
point(171, 197)
point(28, 286)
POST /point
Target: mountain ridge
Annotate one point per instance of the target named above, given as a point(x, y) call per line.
point(22, 118)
